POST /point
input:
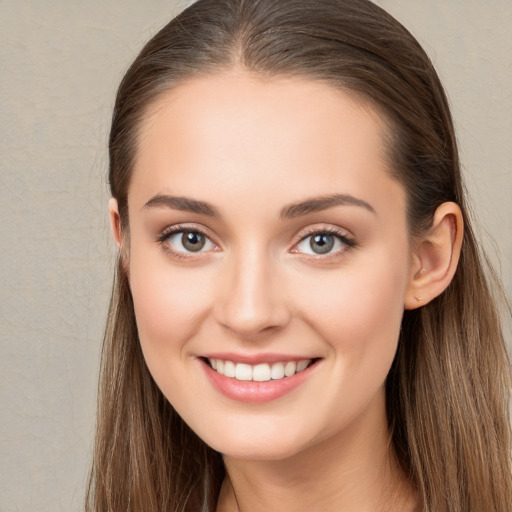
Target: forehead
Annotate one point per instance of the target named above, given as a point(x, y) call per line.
point(220, 101)
point(243, 134)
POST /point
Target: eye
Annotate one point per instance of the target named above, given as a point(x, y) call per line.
point(321, 243)
point(187, 241)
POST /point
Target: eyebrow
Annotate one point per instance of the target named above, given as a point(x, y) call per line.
point(288, 212)
point(182, 203)
point(318, 204)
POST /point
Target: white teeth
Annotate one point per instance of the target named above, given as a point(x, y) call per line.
point(229, 369)
point(290, 368)
point(277, 371)
point(260, 372)
point(302, 365)
point(243, 372)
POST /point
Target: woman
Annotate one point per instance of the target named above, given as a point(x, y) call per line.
point(300, 318)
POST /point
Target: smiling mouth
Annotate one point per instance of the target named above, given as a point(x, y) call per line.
point(259, 372)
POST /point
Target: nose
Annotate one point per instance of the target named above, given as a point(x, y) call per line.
point(252, 302)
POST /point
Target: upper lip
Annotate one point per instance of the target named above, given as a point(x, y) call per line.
point(254, 359)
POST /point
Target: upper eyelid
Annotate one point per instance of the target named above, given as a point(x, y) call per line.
point(172, 230)
point(303, 233)
point(313, 230)
point(343, 235)
point(177, 228)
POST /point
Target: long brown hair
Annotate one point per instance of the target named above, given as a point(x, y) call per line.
point(448, 388)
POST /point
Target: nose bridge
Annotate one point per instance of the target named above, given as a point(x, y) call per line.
point(251, 302)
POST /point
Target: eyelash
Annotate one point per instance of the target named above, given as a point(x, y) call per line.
point(341, 235)
point(167, 233)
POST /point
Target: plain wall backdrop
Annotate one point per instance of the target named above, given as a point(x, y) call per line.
point(60, 64)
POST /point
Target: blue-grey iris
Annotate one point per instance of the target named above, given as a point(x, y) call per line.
point(193, 241)
point(321, 244)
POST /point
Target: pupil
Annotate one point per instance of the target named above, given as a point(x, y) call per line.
point(193, 241)
point(322, 244)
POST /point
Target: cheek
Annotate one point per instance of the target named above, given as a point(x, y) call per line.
point(358, 309)
point(169, 302)
point(170, 306)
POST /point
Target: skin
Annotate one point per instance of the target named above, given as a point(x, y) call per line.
point(250, 148)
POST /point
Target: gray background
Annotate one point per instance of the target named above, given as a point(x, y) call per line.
point(60, 63)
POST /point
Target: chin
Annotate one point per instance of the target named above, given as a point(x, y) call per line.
point(269, 445)
point(260, 452)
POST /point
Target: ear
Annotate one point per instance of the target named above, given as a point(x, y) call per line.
point(435, 257)
point(115, 222)
point(120, 238)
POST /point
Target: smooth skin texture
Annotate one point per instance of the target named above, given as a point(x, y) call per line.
point(252, 149)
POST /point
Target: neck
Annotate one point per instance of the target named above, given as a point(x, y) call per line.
point(354, 470)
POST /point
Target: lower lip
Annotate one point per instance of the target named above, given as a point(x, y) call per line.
point(254, 392)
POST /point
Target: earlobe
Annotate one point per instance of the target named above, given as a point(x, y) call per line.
point(435, 256)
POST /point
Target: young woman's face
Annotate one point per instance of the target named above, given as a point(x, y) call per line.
point(267, 239)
